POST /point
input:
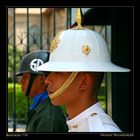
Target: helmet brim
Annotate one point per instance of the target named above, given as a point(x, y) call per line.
point(82, 67)
point(21, 73)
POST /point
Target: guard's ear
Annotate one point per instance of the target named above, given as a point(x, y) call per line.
point(42, 78)
point(85, 82)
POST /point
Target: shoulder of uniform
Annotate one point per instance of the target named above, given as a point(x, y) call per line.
point(95, 123)
point(101, 123)
point(94, 117)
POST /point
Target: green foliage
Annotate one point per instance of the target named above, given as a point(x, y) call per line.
point(21, 102)
point(11, 57)
point(11, 60)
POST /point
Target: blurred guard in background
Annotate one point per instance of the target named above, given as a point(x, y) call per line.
point(43, 116)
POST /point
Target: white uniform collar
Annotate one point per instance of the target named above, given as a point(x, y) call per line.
point(83, 115)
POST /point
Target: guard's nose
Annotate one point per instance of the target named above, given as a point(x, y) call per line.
point(47, 80)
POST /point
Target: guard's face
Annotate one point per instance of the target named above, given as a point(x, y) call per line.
point(24, 81)
point(55, 80)
point(35, 85)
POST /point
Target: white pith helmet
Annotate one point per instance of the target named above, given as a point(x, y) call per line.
point(80, 50)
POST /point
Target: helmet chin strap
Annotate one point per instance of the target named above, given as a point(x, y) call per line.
point(64, 86)
point(32, 76)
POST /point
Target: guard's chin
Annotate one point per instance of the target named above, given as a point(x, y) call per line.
point(50, 93)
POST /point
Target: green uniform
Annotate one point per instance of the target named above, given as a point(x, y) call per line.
point(46, 118)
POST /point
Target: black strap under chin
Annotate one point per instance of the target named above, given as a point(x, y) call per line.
point(32, 76)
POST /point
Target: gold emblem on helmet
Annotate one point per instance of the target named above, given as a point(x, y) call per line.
point(86, 49)
point(55, 42)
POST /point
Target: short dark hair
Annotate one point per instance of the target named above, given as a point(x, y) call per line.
point(98, 76)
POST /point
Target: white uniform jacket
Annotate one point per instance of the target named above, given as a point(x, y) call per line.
point(93, 119)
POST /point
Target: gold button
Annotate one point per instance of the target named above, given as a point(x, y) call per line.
point(93, 114)
point(74, 126)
